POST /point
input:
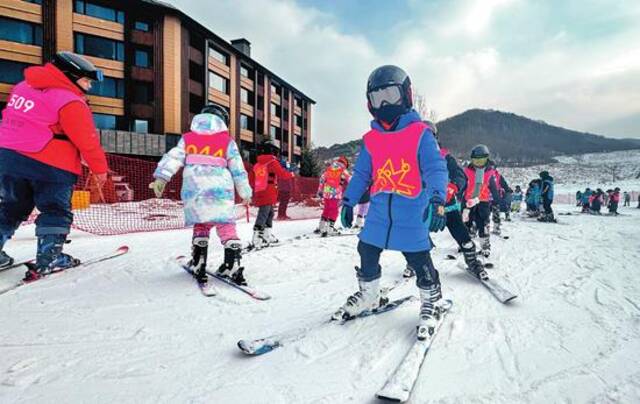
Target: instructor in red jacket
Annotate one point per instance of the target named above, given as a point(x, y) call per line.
point(46, 129)
point(267, 171)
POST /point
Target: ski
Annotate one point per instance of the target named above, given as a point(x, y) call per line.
point(251, 291)
point(207, 289)
point(16, 265)
point(401, 383)
point(114, 254)
point(495, 287)
point(263, 345)
point(307, 236)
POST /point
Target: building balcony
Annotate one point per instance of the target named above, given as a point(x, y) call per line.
point(21, 10)
point(220, 68)
point(96, 26)
point(246, 135)
point(246, 83)
point(140, 144)
point(246, 109)
point(20, 52)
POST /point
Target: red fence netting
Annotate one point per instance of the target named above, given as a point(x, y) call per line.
point(125, 204)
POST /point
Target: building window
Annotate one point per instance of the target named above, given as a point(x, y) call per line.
point(195, 103)
point(298, 120)
point(109, 87)
point(34, 1)
point(143, 58)
point(142, 26)
point(11, 72)
point(274, 109)
point(260, 103)
point(94, 10)
point(246, 96)
point(298, 102)
point(141, 125)
point(218, 82)
point(104, 121)
point(196, 72)
point(298, 141)
point(142, 93)
point(245, 72)
point(219, 56)
point(20, 31)
point(99, 47)
point(275, 89)
point(246, 122)
point(273, 132)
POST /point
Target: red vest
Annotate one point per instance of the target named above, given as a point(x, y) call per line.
point(484, 194)
point(207, 149)
point(29, 115)
point(394, 159)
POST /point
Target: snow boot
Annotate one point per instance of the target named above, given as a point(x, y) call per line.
point(507, 216)
point(198, 262)
point(471, 259)
point(5, 260)
point(368, 298)
point(231, 268)
point(485, 246)
point(50, 258)
point(330, 229)
point(268, 235)
point(321, 226)
point(430, 311)
point(408, 272)
point(259, 239)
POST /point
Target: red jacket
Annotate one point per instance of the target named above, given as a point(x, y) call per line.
point(275, 171)
point(76, 122)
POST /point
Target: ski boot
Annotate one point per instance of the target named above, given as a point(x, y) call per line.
point(321, 226)
point(330, 229)
point(485, 247)
point(259, 239)
point(430, 311)
point(507, 216)
point(5, 260)
point(268, 235)
point(231, 268)
point(473, 264)
point(368, 298)
point(496, 229)
point(50, 258)
point(198, 262)
point(409, 272)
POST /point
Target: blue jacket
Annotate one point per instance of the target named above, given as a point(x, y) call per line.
point(395, 222)
point(585, 197)
point(533, 196)
point(547, 188)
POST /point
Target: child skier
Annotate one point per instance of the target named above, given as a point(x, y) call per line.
point(213, 168)
point(333, 182)
point(533, 198)
point(586, 200)
point(501, 203)
point(614, 201)
point(595, 201)
point(267, 170)
point(408, 177)
point(46, 129)
point(481, 188)
point(547, 197)
point(516, 200)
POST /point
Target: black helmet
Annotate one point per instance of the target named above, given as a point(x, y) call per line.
point(389, 93)
point(480, 151)
point(269, 148)
point(217, 110)
point(76, 67)
point(544, 174)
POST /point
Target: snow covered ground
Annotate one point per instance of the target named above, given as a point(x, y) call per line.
point(136, 329)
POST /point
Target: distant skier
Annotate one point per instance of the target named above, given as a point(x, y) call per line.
point(408, 177)
point(481, 189)
point(614, 201)
point(516, 200)
point(533, 197)
point(595, 201)
point(578, 198)
point(46, 130)
point(627, 199)
point(267, 171)
point(586, 200)
point(213, 169)
point(285, 189)
point(547, 197)
point(503, 200)
point(333, 182)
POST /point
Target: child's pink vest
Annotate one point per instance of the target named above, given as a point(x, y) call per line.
point(394, 159)
point(206, 149)
point(29, 115)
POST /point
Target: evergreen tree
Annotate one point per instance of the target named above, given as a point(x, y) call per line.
point(309, 166)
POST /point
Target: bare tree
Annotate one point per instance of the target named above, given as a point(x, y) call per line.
point(420, 105)
point(615, 170)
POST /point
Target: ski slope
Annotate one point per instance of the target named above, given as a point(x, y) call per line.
point(137, 330)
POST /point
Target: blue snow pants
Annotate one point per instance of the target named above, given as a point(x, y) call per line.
point(420, 261)
point(18, 197)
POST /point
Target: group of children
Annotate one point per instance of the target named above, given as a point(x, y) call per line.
point(593, 201)
point(539, 198)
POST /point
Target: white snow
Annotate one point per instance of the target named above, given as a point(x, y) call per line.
point(137, 330)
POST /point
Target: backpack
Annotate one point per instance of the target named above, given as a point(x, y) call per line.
point(261, 173)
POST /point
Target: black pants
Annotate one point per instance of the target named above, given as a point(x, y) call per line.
point(457, 228)
point(18, 197)
point(546, 204)
point(264, 218)
point(480, 216)
point(426, 274)
point(613, 207)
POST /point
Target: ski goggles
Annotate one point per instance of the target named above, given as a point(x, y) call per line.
point(479, 161)
point(391, 95)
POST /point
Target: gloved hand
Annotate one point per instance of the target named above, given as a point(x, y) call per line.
point(472, 202)
point(158, 186)
point(435, 216)
point(346, 216)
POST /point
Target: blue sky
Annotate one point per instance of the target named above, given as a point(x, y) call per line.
point(571, 63)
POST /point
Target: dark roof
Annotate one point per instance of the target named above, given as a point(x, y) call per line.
point(227, 45)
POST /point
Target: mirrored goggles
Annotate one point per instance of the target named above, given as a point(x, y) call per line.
point(391, 95)
point(479, 161)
